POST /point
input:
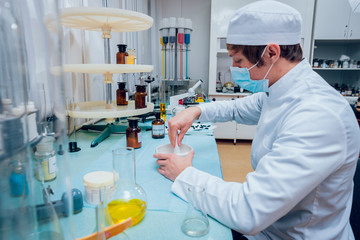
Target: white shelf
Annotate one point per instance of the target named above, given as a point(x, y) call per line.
point(102, 68)
point(99, 109)
point(230, 94)
point(101, 19)
point(337, 69)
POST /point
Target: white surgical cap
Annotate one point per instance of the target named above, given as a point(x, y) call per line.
point(264, 22)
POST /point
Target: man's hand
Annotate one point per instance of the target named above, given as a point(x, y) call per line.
point(171, 165)
point(182, 121)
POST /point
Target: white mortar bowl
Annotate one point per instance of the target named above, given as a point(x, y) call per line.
point(167, 148)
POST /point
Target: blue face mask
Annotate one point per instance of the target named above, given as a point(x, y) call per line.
point(242, 77)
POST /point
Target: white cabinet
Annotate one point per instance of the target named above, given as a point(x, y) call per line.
point(336, 33)
point(354, 26)
point(232, 130)
point(334, 19)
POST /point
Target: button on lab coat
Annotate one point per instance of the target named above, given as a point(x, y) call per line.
point(304, 154)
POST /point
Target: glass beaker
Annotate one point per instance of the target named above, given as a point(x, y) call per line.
point(129, 199)
point(196, 222)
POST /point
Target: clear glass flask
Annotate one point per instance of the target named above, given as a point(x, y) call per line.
point(196, 222)
point(129, 199)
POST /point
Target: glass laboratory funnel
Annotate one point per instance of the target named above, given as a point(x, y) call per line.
point(129, 199)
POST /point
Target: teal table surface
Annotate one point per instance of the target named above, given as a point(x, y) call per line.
point(165, 211)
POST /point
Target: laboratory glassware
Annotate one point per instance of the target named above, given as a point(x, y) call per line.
point(172, 42)
point(21, 81)
point(196, 222)
point(121, 54)
point(129, 200)
point(130, 59)
point(45, 158)
point(73, 147)
point(133, 133)
point(180, 40)
point(164, 40)
point(140, 97)
point(122, 94)
point(188, 30)
point(158, 127)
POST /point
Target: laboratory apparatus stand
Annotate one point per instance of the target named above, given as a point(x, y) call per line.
point(175, 33)
point(106, 20)
point(180, 40)
point(188, 30)
point(36, 199)
point(175, 41)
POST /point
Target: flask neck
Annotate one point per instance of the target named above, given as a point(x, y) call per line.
point(124, 165)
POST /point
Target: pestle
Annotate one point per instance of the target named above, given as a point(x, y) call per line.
point(177, 148)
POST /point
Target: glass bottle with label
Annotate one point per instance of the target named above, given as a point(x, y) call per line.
point(122, 94)
point(140, 97)
point(45, 158)
point(121, 55)
point(158, 127)
point(133, 133)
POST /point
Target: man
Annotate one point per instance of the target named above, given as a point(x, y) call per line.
point(306, 144)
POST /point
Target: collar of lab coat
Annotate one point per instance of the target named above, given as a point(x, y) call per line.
point(289, 81)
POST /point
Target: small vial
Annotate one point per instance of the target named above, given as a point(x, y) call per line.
point(120, 56)
point(18, 183)
point(133, 133)
point(140, 97)
point(158, 127)
point(45, 160)
point(131, 58)
point(122, 95)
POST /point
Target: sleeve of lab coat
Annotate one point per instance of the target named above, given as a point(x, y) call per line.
point(244, 110)
point(310, 146)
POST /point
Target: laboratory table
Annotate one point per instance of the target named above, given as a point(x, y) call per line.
point(165, 211)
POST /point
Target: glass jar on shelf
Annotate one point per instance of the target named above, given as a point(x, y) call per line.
point(140, 97)
point(45, 160)
point(121, 54)
point(131, 57)
point(122, 94)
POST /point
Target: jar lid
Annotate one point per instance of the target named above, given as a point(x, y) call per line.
point(122, 47)
point(121, 85)
point(157, 114)
point(140, 88)
point(98, 179)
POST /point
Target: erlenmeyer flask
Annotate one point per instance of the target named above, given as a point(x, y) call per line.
point(129, 199)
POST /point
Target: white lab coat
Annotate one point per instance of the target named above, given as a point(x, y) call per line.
point(304, 154)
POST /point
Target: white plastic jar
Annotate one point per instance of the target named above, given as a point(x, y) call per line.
point(94, 182)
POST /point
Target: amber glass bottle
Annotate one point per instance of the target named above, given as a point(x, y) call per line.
point(140, 96)
point(133, 133)
point(158, 127)
point(120, 56)
point(122, 94)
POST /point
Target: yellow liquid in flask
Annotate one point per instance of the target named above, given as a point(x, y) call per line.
point(120, 210)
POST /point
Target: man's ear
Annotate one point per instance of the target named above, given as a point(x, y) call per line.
point(273, 51)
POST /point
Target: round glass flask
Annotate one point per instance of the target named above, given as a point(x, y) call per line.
point(129, 199)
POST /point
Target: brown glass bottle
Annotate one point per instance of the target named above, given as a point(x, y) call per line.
point(158, 127)
point(140, 97)
point(122, 94)
point(120, 56)
point(133, 133)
